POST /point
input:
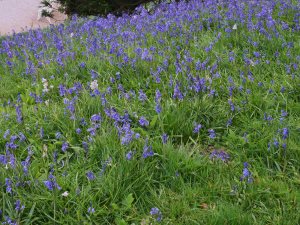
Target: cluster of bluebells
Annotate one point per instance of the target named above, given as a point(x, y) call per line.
point(51, 183)
point(179, 72)
point(219, 154)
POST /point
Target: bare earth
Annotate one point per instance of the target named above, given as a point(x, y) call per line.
point(21, 15)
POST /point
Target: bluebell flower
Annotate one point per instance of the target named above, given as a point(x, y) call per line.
point(158, 108)
point(229, 122)
point(284, 145)
point(6, 133)
point(18, 206)
point(90, 175)
point(82, 65)
point(62, 90)
point(215, 154)
point(156, 213)
point(143, 121)
point(232, 107)
point(268, 117)
point(283, 113)
point(177, 93)
point(65, 146)
point(246, 174)
point(58, 135)
point(95, 118)
point(92, 131)
point(85, 146)
point(164, 138)
point(129, 155)
point(104, 165)
point(142, 96)
point(78, 131)
point(3, 159)
point(51, 183)
point(11, 144)
point(83, 122)
point(9, 221)
point(25, 164)
point(19, 113)
point(22, 137)
point(148, 152)
point(41, 132)
point(285, 133)
point(8, 185)
point(91, 210)
point(157, 96)
point(212, 133)
point(197, 128)
point(275, 143)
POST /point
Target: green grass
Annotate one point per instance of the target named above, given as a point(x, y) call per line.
point(180, 179)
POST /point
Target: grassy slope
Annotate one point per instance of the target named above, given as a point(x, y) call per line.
point(180, 179)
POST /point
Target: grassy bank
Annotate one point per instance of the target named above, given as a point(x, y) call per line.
point(188, 115)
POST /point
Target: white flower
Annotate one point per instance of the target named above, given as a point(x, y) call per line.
point(65, 194)
point(45, 85)
point(234, 27)
point(94, 85)
point(47, 102)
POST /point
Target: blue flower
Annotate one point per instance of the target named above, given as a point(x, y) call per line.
point(177, 93)
point(158, 108)
point(6, 133)
point(157, 96)
point(91, 210)
point(78, 131)
point(58, 135)
point(143, 121)
point(96, 118)
point(65, 146)
point(19, 114)
point(156, 213)
point(212, 133)
point(142, 96)
point(148, 152)
point(164, 138)
point(18, 206)
point(90, 175)
point(246, 174)
point(129, 155)
point(8, 185)
point(51, 183)
point(285, 133)
point(197, 128)
point(219, 155)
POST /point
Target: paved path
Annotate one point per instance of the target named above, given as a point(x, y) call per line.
point(20, 15)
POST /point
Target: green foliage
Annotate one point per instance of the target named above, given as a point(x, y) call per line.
point(97, 7)
point(181, 179)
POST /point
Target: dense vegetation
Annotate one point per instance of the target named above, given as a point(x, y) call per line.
point(96, 7)
point(189, 115)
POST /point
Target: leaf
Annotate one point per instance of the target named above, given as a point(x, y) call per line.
point(119, 221)
point(115, 206)
point(127, 202)
point(153, 121)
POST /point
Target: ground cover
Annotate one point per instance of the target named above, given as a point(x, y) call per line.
point(186, 115)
